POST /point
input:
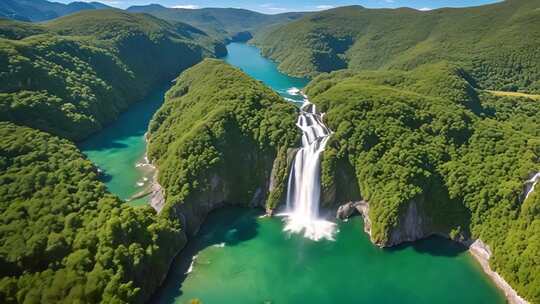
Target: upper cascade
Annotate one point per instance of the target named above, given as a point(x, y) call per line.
point(530, 184)
point(304, 187)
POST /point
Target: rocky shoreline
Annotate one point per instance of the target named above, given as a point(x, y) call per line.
point(482, 254)
point(478, 249)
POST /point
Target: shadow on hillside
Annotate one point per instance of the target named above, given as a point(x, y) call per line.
point(434, 245)
point(227, 227)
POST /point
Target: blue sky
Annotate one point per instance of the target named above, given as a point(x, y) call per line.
point(280, 6)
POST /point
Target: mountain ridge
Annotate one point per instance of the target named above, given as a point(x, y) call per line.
point(494, 43)
point(42, 10)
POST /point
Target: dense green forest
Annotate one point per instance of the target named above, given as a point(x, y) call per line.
point(64, 238)
point(427, 137)
point(225, 24)
point(216, 138)
point(496, 45)
point(72, 75)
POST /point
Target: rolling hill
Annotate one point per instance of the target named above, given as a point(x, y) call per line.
point(41, 10)
point(495, 44)
point(224, 23)
point(73, 75)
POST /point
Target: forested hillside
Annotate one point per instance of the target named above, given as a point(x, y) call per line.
point(75, 74)
point(223, 23)
point(216, 137)
point(496, 45)
point(64, 238)
point(425, 147)
point(41, 10)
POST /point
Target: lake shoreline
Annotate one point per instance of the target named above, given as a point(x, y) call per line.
point(477, 249)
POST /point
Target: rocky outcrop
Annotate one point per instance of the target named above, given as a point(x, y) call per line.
point(411, 227)
point(193, 212)
point(157, 194)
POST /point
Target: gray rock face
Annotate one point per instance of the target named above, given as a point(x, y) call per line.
point(412, 226)
point(192, 213)
point(345, 211)
point(157, 196)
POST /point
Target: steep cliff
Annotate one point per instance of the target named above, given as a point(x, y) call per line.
point(221, 137)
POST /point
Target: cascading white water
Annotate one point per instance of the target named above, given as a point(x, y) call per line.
point(530, 184)
point(303, 192)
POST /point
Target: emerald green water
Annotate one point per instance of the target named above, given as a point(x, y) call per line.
point(241, 258)
point(249, 60)
point(119, 149)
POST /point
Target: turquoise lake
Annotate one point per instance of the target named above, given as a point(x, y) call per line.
point(239, 257)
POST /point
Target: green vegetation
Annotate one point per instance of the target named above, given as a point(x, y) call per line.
point(496, 45)
point(41, 10)
point(71, 76)
point(217, 135)
point(462, 156)
point(63, 237)
point(223, 23)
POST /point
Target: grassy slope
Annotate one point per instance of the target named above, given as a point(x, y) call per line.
point(82, 70)
point(223, 23)
point(427, 136)
point(63, 237)
point(496, 44)
point(217, 121)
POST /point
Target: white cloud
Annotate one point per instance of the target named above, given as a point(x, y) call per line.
point(324, 7)
point(271, 7)
point(425, 9)
point(187, 6)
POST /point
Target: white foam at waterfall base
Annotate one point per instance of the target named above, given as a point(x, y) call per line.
point(293, 91)
point(303, 191)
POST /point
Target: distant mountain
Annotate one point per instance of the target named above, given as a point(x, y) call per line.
point(224, 23)
point(41, 10)
point(497, 44)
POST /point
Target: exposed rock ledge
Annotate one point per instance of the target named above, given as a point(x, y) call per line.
point(412, 232)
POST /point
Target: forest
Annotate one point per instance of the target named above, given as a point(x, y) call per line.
point(422, 107)
point(217, 135)
point(64, 238)
point(496, 44)
point(461, 155)
point(73, 75)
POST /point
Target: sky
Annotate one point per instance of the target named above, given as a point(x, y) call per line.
point(281, 6)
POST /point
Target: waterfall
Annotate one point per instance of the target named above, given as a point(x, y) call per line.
point(304, 188)
point(530, 184)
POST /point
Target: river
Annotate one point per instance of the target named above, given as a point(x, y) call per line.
point(239, 257)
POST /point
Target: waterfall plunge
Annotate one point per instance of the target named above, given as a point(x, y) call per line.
point(304, 188)
point(530, 184)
